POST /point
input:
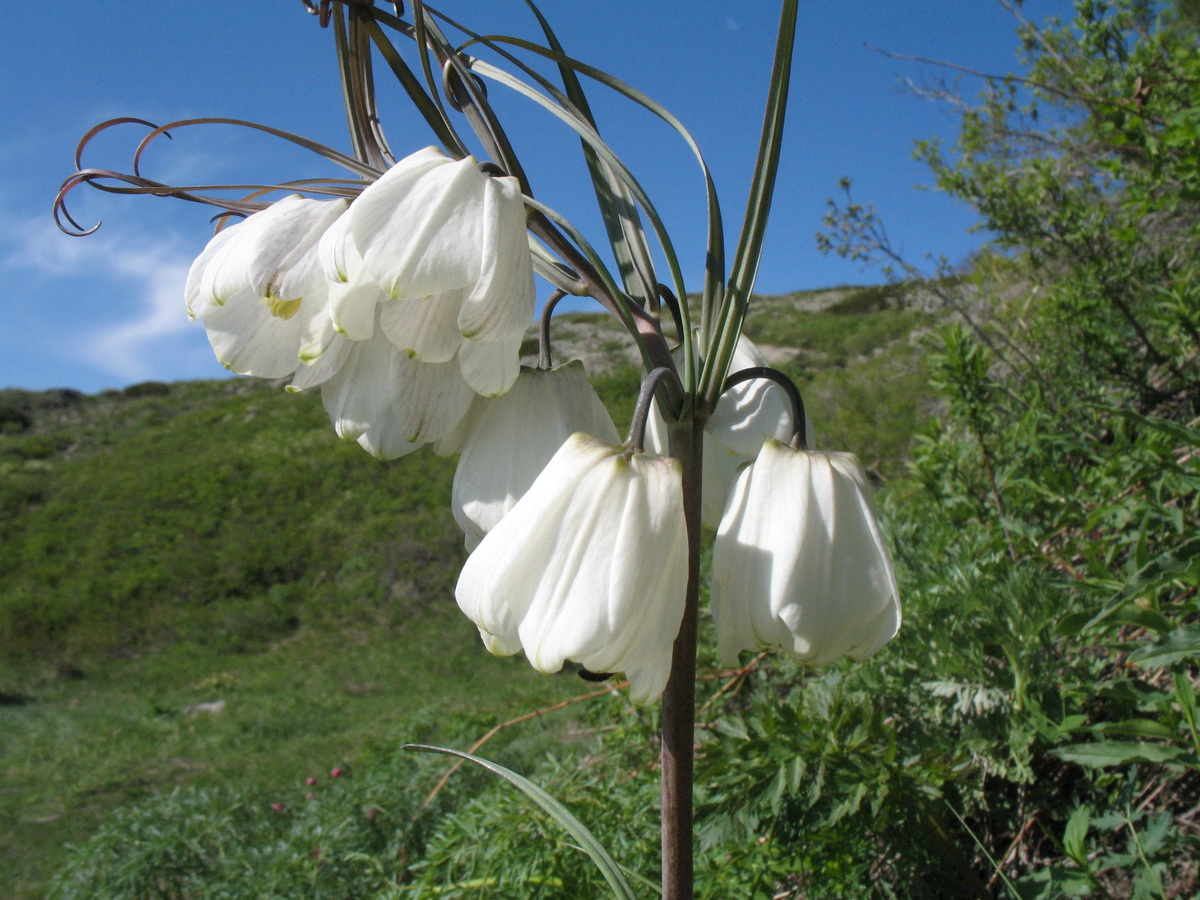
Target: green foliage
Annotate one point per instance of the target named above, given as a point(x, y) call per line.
point(1091, 174)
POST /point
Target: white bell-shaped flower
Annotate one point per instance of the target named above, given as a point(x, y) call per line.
point(441, 231)
point(746, 415)
point(259, 289)
point(388, 402)
point(428, 253)
point(799, 563)
point(590, 565)
point(508, 440)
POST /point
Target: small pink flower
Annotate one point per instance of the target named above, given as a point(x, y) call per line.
point(278, 807)
point(337, 772)
point(308, 796)
point(310, 781)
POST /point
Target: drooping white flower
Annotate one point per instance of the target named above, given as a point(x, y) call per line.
point(590, 565)
point(441, 231)
point(391, 404)
point(260, 291)
point(439, 250)
point(508, 441)
point(746, 415)
point(799, 564)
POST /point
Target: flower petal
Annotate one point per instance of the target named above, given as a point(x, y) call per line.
point(353, 294)
point(509, 440)
point(431, 398)
point(490, 369)
point(420, 226)
point(425, 328)
point(318, 371)
point(502, 302)
point(361, 392)
point(249, 340)
point(267, 244)
point(194, 298)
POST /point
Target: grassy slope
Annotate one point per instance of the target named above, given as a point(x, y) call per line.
point(216, 542)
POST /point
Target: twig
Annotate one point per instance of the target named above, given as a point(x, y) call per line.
point(1011, 851)
point(734, 682)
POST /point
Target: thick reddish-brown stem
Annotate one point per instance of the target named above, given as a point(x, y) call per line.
point(679, 699)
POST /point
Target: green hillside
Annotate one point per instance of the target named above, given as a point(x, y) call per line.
point(213, 542)
point(168, 546)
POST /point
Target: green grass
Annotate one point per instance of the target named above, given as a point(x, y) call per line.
point(293, 710)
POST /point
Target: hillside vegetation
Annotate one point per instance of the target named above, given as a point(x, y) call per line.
point(171, 546)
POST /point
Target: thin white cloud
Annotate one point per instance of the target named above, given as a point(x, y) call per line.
point(149, 271)
point(130, 348)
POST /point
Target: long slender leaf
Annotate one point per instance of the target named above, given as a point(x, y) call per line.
point(581, 127)
point(715, 244)
point(433, 113)
point(604, 862)
point(758, 206)
point(619, 308)
point(1119, 753)
point(625, 233)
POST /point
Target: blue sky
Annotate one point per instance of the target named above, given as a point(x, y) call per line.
point(107, 310)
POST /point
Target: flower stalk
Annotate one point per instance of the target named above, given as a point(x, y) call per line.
point(679, 698)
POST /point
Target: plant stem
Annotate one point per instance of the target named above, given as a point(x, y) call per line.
point(679, 698)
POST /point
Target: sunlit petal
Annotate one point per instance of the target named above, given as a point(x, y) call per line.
point(425, 328)
point(490, 369)
point(420, 226)
point(501, 303)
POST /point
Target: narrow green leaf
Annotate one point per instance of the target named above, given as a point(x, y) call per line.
point(625, 233)
point(715, 245)
point(1143, 728)
point(584, 130)
point(749, 250)
point(1185, 696)
point(1118, 753)
point(604, 862)
point(1180, 644)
